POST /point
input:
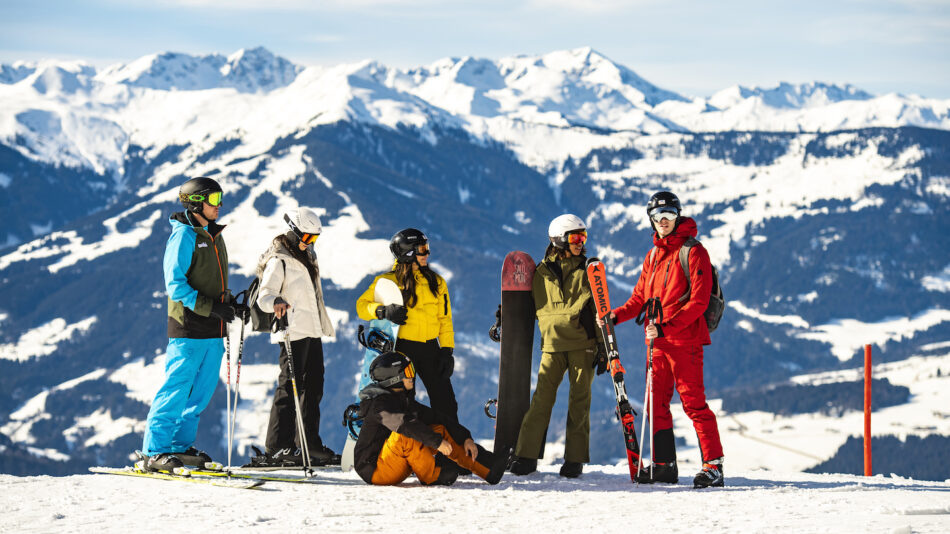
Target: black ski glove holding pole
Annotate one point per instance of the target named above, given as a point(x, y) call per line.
point(241, 309)
point(396, 313)
point(447, 361)
point(223, 311)
point(279, 325)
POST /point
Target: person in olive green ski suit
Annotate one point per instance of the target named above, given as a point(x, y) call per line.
point(569, 343)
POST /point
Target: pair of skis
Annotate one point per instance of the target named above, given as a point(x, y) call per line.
point(597, 276)
point(236, 478)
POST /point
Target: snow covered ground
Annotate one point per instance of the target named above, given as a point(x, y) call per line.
point(602, 499)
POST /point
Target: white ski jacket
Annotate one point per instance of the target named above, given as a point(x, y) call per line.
point(283, 275)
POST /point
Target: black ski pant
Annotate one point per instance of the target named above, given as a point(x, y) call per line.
point(426, 359)
point(282, 427)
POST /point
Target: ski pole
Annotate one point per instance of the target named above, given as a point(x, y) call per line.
point(237, 380)
point(646, 399)
point(282, 325)
point(652, 427)
point(227, 342)
point(654, 310)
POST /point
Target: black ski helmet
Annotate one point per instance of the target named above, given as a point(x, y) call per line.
point(405, 243)
point(203, 186)
point(387, 369)
point(664, 199)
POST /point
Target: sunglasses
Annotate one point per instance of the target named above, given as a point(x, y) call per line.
point(309, 239)
point(577, 238)
point(409, 371)
point(661, 215)
point(214, 199)
point(422, 250)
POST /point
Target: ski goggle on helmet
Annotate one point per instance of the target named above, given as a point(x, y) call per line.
point(577, 238)
point(213, 199)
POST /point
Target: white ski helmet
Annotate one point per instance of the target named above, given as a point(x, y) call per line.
point(303, 221)
point(563, 225)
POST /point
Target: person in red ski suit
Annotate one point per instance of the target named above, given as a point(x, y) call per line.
point(678, 338)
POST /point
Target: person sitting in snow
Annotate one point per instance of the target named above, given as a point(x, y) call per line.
point(400, 436)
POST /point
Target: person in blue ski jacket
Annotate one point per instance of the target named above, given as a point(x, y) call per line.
point(199, 310)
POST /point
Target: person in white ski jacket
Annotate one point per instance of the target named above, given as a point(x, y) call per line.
point(290, 284)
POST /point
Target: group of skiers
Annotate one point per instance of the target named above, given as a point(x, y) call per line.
point(399, 435)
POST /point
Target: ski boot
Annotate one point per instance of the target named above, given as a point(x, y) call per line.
point(662, 472)
point(523, 466)
point(324, 455)
point(499, 463)
point(164, 462)
point(711, 475)
point(282, 458)
point(448, 471)
point(195, 457)
point(571, 469)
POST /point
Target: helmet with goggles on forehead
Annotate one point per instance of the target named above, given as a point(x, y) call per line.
point(567, 229)
point(389, 368)
point(197, 191)
point(407, 244)
point(305, 224)
point(663, 205)
point(663, 199)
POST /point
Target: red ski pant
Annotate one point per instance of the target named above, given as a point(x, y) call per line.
point(682, 366)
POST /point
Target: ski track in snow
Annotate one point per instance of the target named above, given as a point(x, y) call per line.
point(602, 499)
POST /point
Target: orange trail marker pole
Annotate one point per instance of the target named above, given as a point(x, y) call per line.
point(867, 411)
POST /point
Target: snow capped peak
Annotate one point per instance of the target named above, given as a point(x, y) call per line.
point(591, 67)
point(247, 70)
point(578, 87)
point(49, 76)
point(786, 95)
point(67, 77)
point(257, 69)
point(10, 74)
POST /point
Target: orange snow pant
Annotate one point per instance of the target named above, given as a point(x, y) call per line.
point(402, 456)
point(682, 366)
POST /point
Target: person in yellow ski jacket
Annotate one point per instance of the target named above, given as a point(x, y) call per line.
point(426, 334)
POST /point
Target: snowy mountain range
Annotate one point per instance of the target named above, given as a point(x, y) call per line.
point(824, 207)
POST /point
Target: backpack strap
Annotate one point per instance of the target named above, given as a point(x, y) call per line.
point(684, 263)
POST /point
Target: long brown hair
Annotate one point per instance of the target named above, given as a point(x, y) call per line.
point(289, 241)
point(406, 279)
point(561, 253)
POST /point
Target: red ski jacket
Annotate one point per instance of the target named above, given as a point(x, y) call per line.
point(662, 276)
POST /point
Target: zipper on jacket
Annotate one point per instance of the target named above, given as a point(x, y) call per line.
point(220, 272)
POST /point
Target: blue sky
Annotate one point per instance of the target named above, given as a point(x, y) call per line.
point(692, 47)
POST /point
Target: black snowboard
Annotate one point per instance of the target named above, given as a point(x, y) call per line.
point(517, 338)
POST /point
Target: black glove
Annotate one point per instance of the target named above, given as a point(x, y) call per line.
point(447, 361)
point(600, 361)
point(396, 313)
point(241, 310)
point(223, 311)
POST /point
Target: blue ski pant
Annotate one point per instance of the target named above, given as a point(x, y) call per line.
point(192, 367)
